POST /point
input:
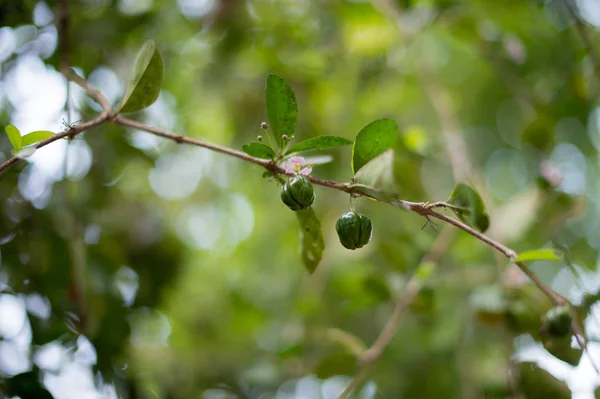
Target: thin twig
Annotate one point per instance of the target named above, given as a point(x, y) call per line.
point(422, 208)
point(92, 92)
point(354, 382)
point(410, 292)
point(70, 132)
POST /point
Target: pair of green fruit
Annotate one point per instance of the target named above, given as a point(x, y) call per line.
point(354, 230)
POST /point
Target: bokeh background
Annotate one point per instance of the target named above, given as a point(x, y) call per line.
point(134, 267)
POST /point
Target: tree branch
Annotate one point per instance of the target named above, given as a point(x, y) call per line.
point(70, 133)
point(422, 208)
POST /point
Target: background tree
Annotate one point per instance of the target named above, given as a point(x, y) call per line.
point(136, 264)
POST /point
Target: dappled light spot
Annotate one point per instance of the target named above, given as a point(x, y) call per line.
point(13, 318)
point(35, 187)
point(104, 79)
point(572, 166)
point(79, 160)
point(126, 281)
point(506, 174)
point(194, 9)
point(38, 306)
point(8, 43)
point(135, 7)
point(50, 357)
point(590, 11)
point(176, 175)
point(42, 14)
point(149, 328)
point(212, 227)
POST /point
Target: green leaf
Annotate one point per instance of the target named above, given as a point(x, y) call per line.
point(312, 242)
point(372, 140)
point(146, 79)
point(537, 383)
point(14, 136)
point(538, 254)
point(319, 143)
point(376, 178)
point(561, 348)
point(259, 150)
point(282, 109)
point(35, 137)
point(469, 206)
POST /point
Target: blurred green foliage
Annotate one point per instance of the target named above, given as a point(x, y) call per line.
point(182, 267)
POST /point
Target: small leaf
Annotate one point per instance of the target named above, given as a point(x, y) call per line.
point(312, 242)
point(282, 109)
point(24, 152)
point(469, 206)
point(372, 140)
point(35, 137)
point(319, 143)
point(376, 178)
point(14, 136)
point(145, 82)
point(561, 348)
point(259, 150)
point(538, 254)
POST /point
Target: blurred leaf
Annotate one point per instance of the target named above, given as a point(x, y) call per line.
point(27, 386)
point(282, 109)
point(536, 383)
point(472, 209)
point(311, 236)
point(376, 177)
point(526, 307)
point(372, 140)
point(561, 348)
point(14, 136)
point(144, 85)
point(319, 143)
point(34, 137)
point(336, 364)
point(538, 254)
point(259, 150)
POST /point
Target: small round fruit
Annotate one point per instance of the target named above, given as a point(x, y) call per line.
point(557, 321)
point(354, 230)
point(298, 193)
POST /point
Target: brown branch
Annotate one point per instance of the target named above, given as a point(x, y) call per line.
point(422, 208)
point(92, 92)
point(70, 132)
point(410, 292)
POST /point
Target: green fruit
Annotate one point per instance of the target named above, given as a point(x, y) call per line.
point(354, 230)
point(298, 193)
point(557, 321)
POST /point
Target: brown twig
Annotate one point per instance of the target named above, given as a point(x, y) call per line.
point(70, 132)
point(92, 92)
point(422, 208)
